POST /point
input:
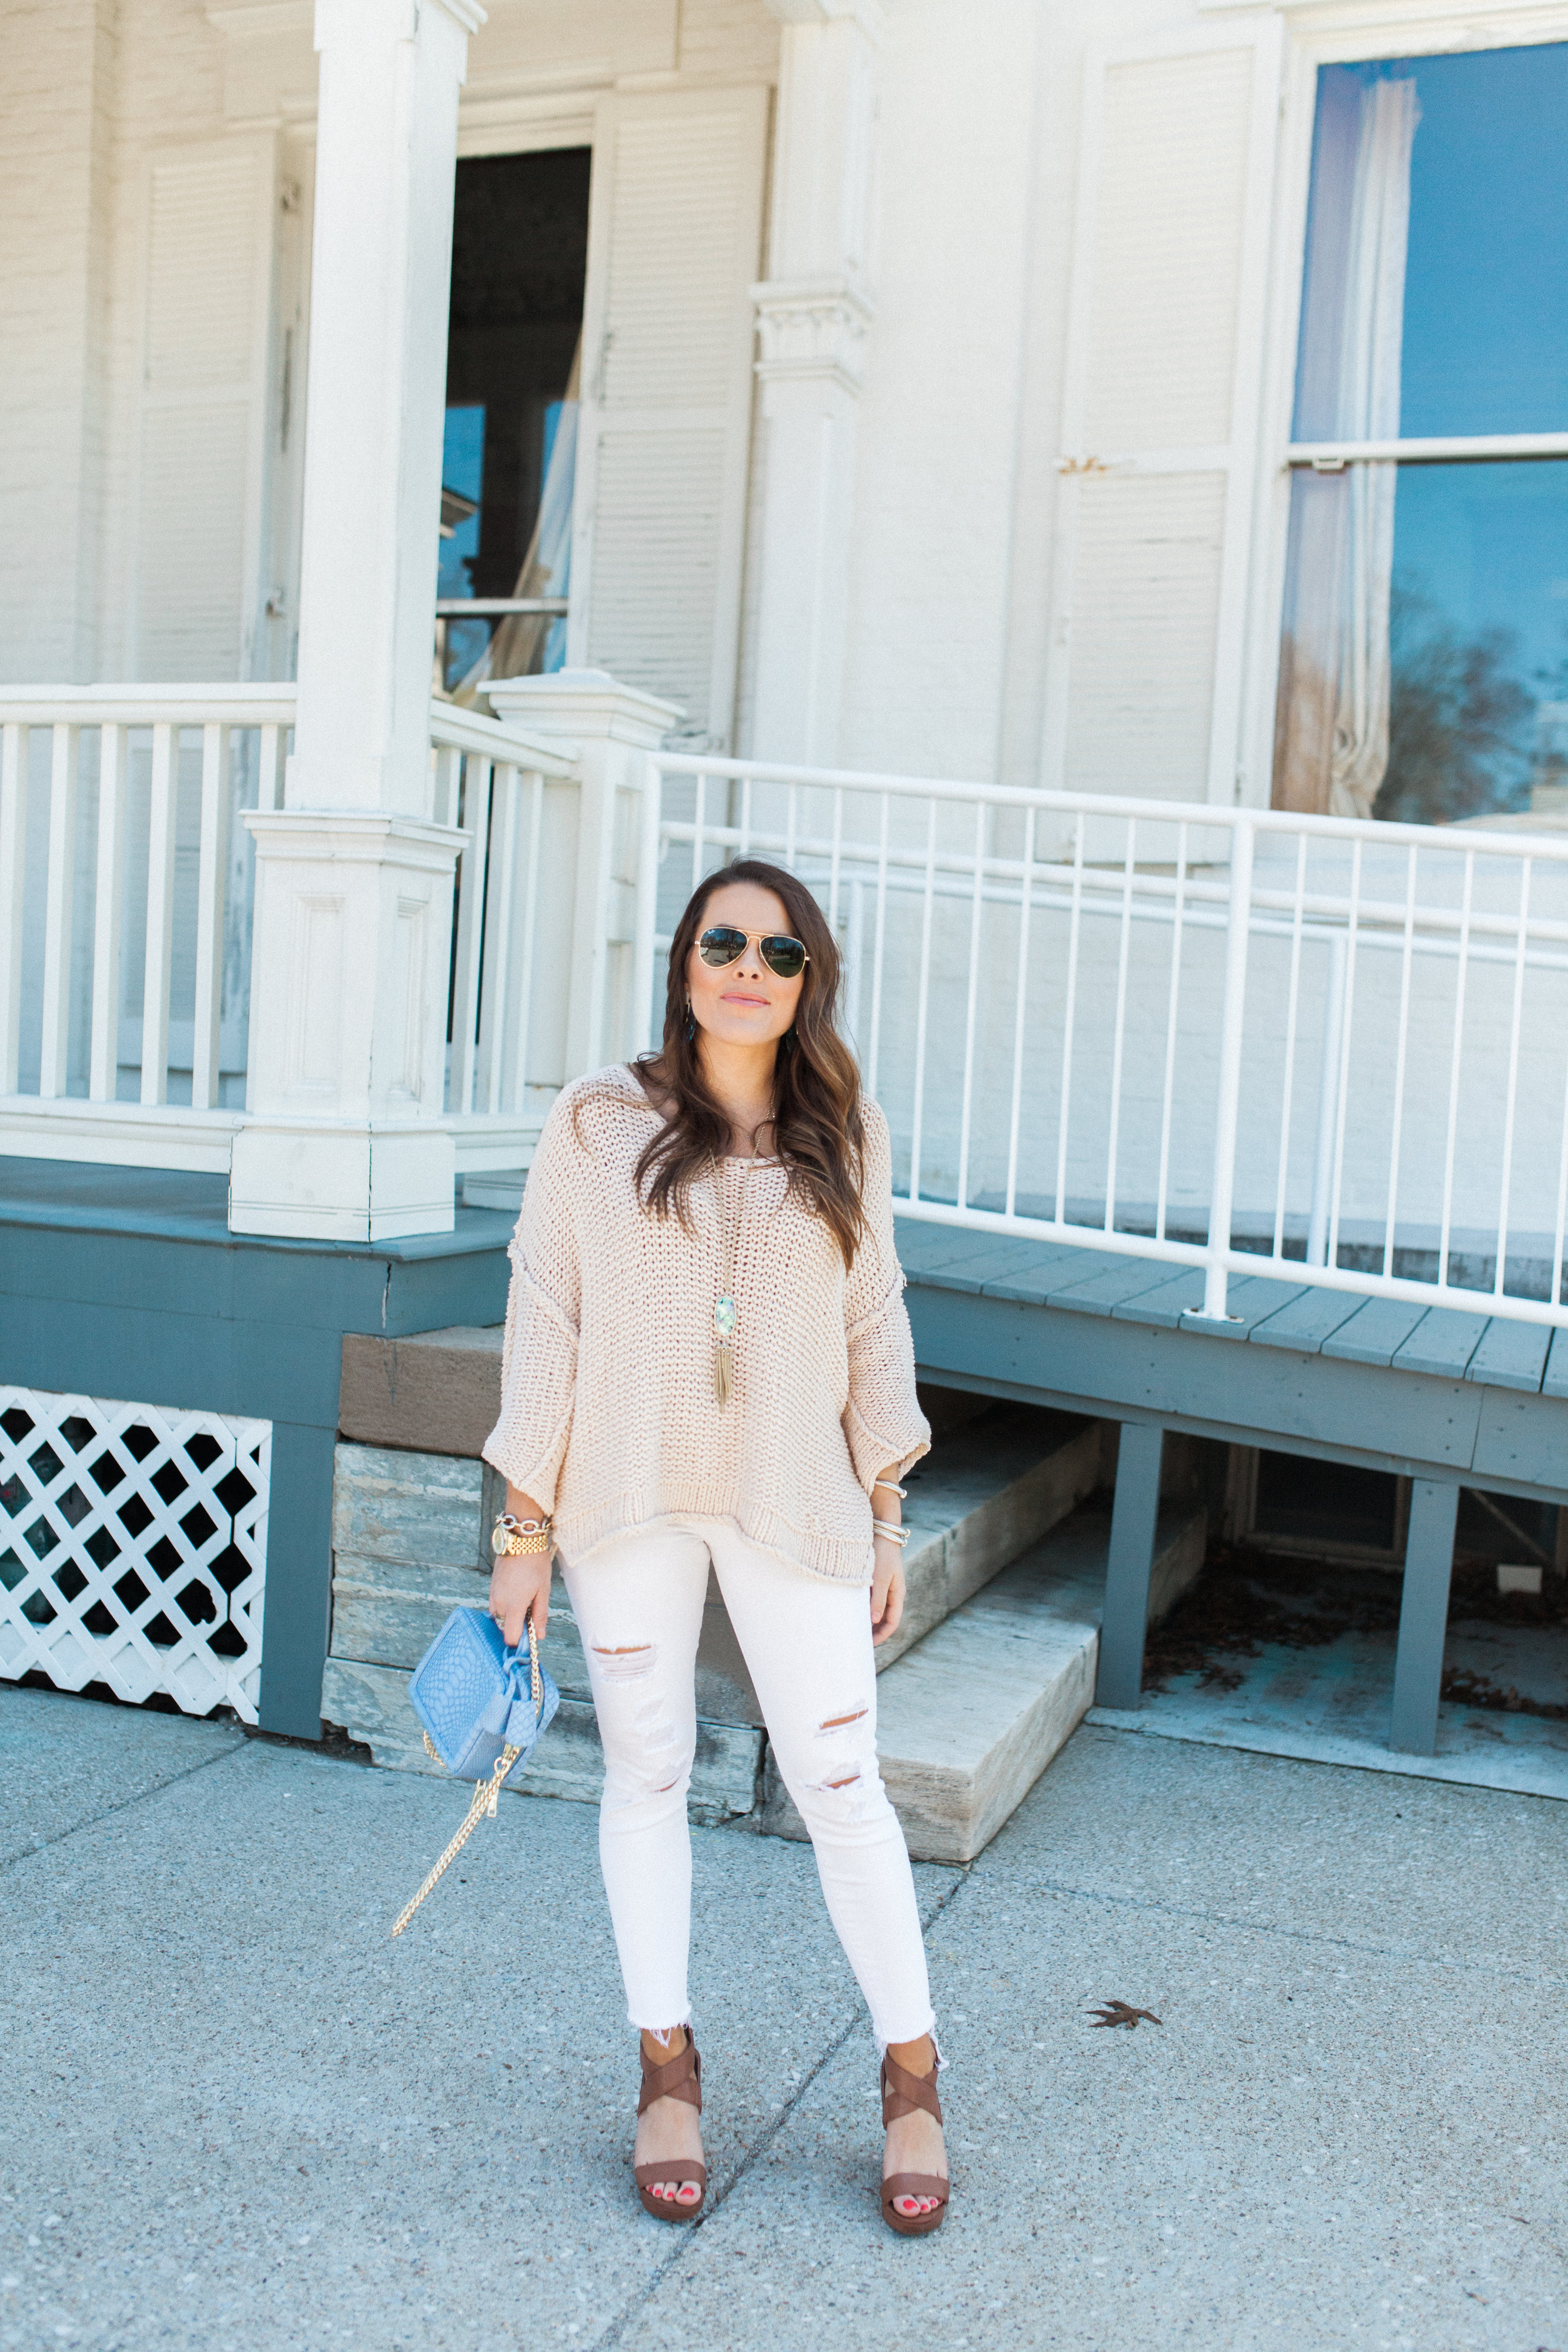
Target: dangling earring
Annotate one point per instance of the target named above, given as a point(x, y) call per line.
point(690, 1022)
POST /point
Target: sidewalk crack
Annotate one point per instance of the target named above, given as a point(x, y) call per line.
point(42, 1846)
point(720, 2198)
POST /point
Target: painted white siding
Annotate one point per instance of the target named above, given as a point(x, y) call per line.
point(55, 198)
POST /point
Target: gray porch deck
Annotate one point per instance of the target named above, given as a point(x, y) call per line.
point(1443, 1397)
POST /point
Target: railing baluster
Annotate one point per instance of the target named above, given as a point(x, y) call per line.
point(1069, 1017)
point(212, 876)
point(160, 823)
point(465, 976)
point(59, 893)
point(1233, 1014)
point(1347, 1024)
point(1398, 1128)
point(1292, 1014)
point(500, 899)
point(527, 945)
point(1174, 992)
point(15, 741)
point(1505, 1184)
point(104, 1066)
point(922, 1003)
point(700, 794)
point(444, 800)
point(977, 903)
point(877, 951)
point(269, 768)
point(838, 843)
point(1018, 1010)
point(1120, 1032)
point(1461, 982)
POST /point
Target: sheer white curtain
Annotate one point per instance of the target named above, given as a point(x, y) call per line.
point(1336, 670)
point(514, 647)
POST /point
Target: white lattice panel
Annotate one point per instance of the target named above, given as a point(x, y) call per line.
point(133, 1547)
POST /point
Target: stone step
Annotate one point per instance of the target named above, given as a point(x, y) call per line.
point(408, 1548)
point(969, 1719)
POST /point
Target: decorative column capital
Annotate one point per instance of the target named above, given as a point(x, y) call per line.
point(813, 330)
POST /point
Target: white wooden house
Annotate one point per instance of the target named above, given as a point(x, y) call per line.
point(1065, 473)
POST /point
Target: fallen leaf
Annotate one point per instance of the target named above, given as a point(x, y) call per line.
point(1120, 2012)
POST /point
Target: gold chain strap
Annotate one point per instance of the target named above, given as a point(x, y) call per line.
point(487, 1794)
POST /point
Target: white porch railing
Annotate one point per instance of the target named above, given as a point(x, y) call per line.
point(126, 882)
point(1238, 1041)
point(1232, 1041)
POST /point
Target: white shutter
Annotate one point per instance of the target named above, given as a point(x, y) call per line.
point(202, 425)
point(1161, 417)
point(675, 235)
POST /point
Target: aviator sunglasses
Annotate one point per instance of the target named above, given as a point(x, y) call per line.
point(724, 943)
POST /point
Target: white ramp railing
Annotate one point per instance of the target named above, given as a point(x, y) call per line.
point(1238, 1041)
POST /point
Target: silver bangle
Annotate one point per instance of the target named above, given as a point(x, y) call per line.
point(891, 1529)
point(892, 1488)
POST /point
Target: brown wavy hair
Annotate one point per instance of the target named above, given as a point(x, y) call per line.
point(817, 1126)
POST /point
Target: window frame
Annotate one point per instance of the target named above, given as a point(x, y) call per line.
point(1361, 31)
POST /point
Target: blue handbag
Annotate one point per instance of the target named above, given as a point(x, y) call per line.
point(483, 1712)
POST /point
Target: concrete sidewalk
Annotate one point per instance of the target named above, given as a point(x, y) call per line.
point(235, 2116)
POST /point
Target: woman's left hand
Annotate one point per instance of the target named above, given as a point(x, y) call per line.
point(886, 1593)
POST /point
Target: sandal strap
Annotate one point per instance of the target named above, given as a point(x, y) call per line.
point(913, 2184)
point(903, 2092)
point(673, 2167)
point(680, 2077)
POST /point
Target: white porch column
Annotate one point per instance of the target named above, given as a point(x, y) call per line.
point(814, 310)
point(603, 924)
point(345, 1137)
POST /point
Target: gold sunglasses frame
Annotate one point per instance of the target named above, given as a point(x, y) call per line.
point(759, 937)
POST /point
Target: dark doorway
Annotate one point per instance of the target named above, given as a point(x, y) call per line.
point(519, 255)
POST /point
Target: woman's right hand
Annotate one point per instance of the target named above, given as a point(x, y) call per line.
point(520, 1588)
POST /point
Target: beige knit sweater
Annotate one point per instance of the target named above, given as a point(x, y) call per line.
point(608, 1413)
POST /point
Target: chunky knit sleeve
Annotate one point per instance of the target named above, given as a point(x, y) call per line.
point(883, 1421)
point(539, 1352)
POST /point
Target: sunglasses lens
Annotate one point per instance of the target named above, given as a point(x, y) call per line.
point(721, 945)
point(785, 957)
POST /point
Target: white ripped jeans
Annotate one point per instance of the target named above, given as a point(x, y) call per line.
point(638, 1602)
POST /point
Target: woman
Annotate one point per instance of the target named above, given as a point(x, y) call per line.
point(707, 1360)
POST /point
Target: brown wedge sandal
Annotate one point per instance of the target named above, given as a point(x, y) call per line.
point(902, 2093)
point(679, 2078)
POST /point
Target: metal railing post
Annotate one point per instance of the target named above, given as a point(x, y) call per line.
point(1222, 1184)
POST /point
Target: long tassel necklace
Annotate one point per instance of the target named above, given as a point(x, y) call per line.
point(726, 1314)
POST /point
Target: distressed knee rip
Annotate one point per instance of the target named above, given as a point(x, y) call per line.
point(627, 1664)
point(844, 1784)
point(648, 1752)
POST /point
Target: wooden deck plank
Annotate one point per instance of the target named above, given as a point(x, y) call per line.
point(1442, 1342)
point(1373, 1333)
point(1555, 1382)
point(1166, 1304)
point(1100, 1293)
point(998, 1255)
point(1037, 1286)
point(1307, 1321)
point(921, 1246)
point(1511, 1355)
point(1255, 1298)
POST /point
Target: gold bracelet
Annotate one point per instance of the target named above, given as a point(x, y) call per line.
point(513, 1539)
